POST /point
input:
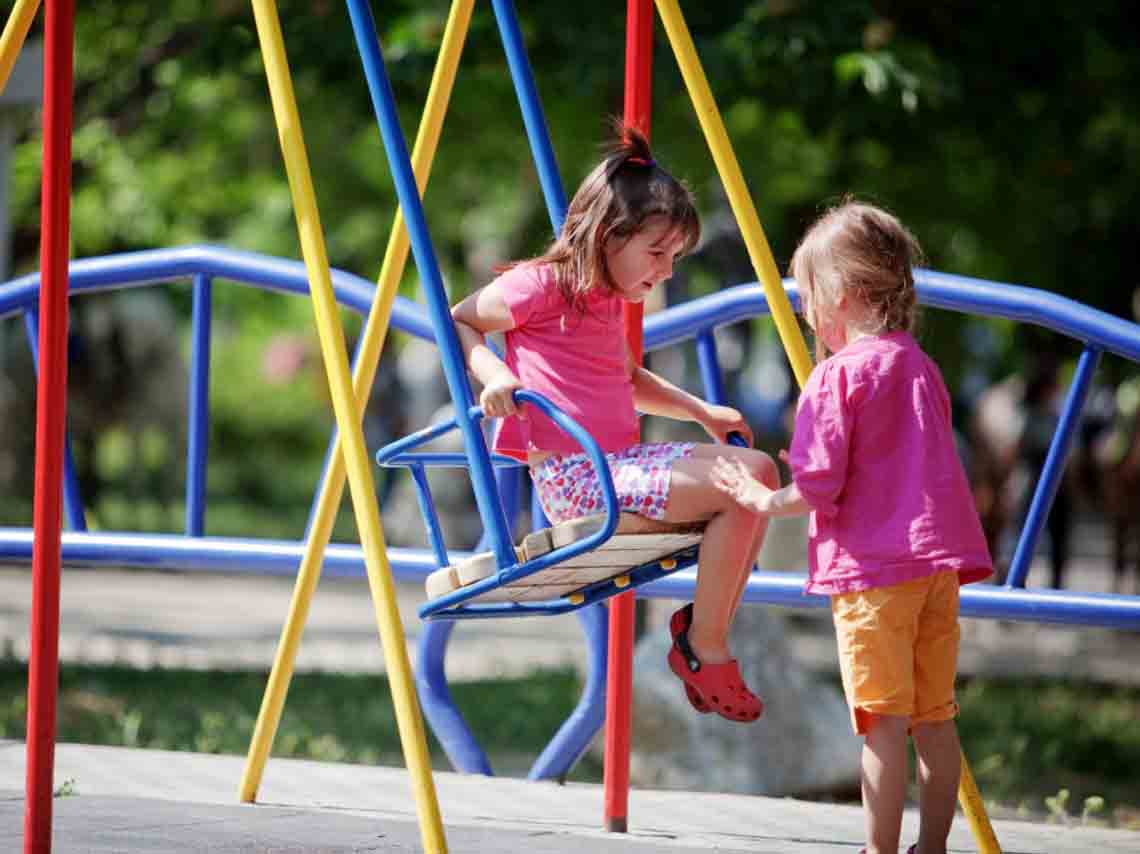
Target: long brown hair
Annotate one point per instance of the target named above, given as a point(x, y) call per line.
point(614, 202)
point(861, 250)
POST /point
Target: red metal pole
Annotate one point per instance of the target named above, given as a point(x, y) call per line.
point(619, 678)
point(51, 403)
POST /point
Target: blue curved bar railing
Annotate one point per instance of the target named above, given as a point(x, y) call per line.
point(202, 264)
point(695, 320)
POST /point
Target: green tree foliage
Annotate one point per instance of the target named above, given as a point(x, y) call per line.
point(1006, 135)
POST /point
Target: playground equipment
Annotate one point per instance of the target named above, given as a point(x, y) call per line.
point(46, 548)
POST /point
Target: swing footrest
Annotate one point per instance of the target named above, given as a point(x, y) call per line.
point(638, 541)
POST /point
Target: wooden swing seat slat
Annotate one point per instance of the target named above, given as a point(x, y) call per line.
point(638, 541)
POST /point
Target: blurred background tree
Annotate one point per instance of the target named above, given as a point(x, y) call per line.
point(1006, 135)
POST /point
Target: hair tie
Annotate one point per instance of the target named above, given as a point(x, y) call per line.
point(641, 161)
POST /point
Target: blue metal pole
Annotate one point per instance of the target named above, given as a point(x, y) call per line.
point(709, 364)
point(455, 371)
point(447, 723)
point(1054, 468)
point(72, 500)
point(199, 414)
point(579, 729)
point(533, 118)
point(431, 520)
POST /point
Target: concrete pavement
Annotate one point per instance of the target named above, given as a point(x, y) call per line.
point(146, 802)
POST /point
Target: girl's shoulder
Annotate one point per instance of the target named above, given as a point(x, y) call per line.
point(527, 274)
point(529, 288)
point(864, 366)
point(878, 355)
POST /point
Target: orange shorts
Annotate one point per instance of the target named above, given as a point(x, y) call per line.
point(898, 650)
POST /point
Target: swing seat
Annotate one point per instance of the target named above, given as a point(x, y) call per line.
point(639, 543)
point(554, 570)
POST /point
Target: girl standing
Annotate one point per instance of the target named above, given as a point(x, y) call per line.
point(561, 315)
point(893, 530)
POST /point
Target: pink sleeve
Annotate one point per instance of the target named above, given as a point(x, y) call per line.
point(525, 290)
point(818, 455)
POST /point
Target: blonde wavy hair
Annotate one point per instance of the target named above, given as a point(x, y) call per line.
point(861, 250)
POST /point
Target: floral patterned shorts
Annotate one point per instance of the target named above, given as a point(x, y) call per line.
point(568, 488)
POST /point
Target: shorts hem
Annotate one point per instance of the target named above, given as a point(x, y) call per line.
point(863, 716)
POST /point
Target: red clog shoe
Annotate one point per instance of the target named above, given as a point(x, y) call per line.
point(720, 685)
point(679, 625)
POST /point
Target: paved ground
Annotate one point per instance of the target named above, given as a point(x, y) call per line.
point(147, 802)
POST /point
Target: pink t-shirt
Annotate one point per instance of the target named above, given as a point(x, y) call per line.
point(874, 456)
point(576, 360)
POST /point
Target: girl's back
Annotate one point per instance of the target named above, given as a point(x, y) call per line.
point(874, 450)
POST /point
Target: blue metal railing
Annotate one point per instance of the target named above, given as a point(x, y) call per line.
point(201, 264)
point(695, 320)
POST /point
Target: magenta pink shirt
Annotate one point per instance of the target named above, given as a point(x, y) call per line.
point(874, 455)
point(576, 359)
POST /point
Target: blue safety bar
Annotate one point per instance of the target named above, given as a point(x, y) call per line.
point(401, 453)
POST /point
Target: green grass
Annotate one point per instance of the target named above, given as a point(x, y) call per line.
point(1027, 741)
point(330, 717)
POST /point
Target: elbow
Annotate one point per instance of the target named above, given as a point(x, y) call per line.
point(463, 327)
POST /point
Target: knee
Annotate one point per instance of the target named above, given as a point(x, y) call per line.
point(766, 471)
point(926, 731)
point(763, 468)
point(878, 727)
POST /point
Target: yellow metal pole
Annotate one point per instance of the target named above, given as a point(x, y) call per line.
point(765, 265)
point(375, 330)
point(732, 178)
point(15, 31)
point(408, 719)
point(971, 802)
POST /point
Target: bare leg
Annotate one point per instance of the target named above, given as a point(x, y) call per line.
point(939, 766)
point(773, 482)
point(884, 782)
point(728, 549)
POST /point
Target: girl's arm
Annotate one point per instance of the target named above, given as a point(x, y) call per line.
point(479, 314)
point(733, 477)
point(654, 395)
